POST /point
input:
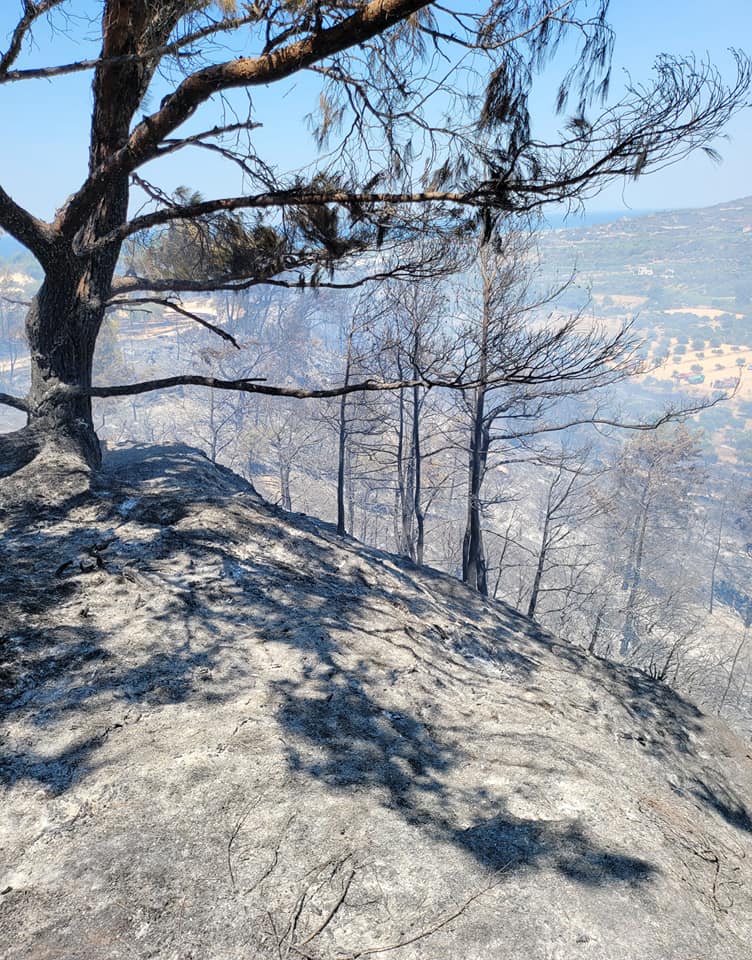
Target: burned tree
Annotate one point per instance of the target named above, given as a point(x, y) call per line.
point(522, 371)
point(657, 476)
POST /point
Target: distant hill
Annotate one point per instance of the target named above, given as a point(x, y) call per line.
point(575, 221)
point(697, 258)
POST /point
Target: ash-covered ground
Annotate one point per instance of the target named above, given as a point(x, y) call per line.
point(227, 733)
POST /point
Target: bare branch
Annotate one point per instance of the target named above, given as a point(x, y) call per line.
point(15, 302)
point(79, 66)
point(670, 415)
point(245, 385)
point(199, 140)
point(331, 913)
point(182, 311)
point(36, 235)
point(406, 272)
point(18, 403)
point(32, 12)
point(258, 385)
point(429, 931)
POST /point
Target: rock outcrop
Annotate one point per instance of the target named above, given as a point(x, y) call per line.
point(227, 733)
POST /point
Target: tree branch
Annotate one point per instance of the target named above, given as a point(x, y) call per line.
point(15, 302)
point(426, 932)
point(32, 12)
point(246, 385)
point(79, 66)
point(36, 235)
point(670, 415)
point(199, 140)
point(18, 403)
point(183, 312)
point(666, 122)
point(368, 21)
point(279, 199)
point(407, 272)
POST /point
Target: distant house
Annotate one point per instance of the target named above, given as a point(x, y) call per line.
point(696, 378)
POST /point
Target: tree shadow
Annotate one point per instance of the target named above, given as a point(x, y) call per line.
point(506, 839)
point(354, 743)
point(722, 799)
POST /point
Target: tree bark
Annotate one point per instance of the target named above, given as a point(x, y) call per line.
point(342, 443)
point(65, 316)
point(420, 517)
point(629, 634)
point(473, 554)
point(716, 555)
point(61, 327)
point(284, 485)
point(540, 565)
point(474, 568)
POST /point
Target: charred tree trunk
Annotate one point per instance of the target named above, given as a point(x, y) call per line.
point(629, 633)
point(64, 319)
point(473, 553)
point(343, 434)
point(716, 555)
point(403, 490)
point(62, 325)
point(540, 566)
point(420, 517)
point(342, 451)
point(474, 568)
point(284, 485)
point(596, 631)
point(65, 316)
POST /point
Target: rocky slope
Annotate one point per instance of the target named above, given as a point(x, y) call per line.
point(226, 733)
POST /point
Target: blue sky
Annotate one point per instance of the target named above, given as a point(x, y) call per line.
point(44, 124)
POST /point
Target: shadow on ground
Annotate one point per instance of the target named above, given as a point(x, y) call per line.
point(336, 728)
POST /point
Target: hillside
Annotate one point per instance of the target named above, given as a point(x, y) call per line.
point(694, 258)
point(227, 733)
point(682, 278)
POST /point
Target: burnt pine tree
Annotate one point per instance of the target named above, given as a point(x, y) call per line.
point(658, 476)
point(414, 342)
point(521, 374)
point(387, 70)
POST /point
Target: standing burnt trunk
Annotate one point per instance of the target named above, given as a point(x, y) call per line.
point(474, 567)
point(474, 571)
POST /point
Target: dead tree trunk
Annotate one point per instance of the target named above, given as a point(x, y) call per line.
point(342, 441)
point(473, 553)
point(629, 633)
point(420, 517)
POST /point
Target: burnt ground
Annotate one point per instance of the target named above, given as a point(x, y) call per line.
point(227, 733)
